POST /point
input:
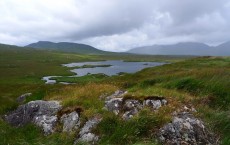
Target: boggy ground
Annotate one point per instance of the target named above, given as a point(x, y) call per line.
point(202, 83)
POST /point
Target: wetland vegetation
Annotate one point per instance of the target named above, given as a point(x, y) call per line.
point(201, 82)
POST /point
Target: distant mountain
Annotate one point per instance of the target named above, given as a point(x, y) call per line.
point(67, 47)
point(223, 49)
point(185, 48)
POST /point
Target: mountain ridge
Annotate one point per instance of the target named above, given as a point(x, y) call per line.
point(67, 47)
point(184, 48)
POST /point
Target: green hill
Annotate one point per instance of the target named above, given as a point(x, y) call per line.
point(67, 47)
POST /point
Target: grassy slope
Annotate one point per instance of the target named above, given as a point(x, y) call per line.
point(201, 82)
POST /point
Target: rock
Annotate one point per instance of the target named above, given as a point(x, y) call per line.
point(154, 104)
point(129, 114)
point(130, 104)
point(113, 102)
point(85, 134)
point(185, 129)
point(88, 137)
point(47, 123)
point(114, 105)
point(89, 125)
point(131, 107)
point(41, 113)
point(164, 102)
point(70, 121)
point(116, 94)
point(23, 97)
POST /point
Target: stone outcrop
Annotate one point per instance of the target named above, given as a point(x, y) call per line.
point(185, 129)
point(86, 135)
point(21, 99)
point(41, 113)
point(154, 103)
point(129, 107)
point(116, 94)
point(46, 122)
point(114, 105)
point(71, 121)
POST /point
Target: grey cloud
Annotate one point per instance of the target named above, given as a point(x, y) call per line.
point(115, 25)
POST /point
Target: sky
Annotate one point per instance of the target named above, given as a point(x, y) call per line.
point(114, 25)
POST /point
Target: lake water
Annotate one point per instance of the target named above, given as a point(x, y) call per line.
point(116, 67)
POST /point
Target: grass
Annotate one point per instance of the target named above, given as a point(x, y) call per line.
point(81, 80)
point(30, 135)
point(140, 129)
point(200, 82)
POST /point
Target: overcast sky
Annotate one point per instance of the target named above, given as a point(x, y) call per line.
point(114, 25)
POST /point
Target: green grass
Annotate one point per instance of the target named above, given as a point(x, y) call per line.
point(31, 135)
point(201, 82)
point(139, 129)
point(81, 80)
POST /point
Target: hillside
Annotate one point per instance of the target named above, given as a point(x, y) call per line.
point(185, 48)
point(67, 47)
point(198, 83)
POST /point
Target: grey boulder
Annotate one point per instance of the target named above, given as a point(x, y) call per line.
point(85, 134)
point(114, 105)
point(70, 121)
point(185, 129)
point(47, 123)
point(154, 104)
point(131, 107)
point(41, 113)
point(116, 94)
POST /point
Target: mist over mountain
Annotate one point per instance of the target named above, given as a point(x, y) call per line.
point(184, 48)
point(67, 47)
point(223, 49)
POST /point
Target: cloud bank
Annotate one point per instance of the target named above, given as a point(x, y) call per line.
point(114, 25)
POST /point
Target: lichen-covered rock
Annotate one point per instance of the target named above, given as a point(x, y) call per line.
point(42, 113)
point(113, 102)
point(70, 121)
point(129, 114)
point(154, 104)
point(47, 123)
point(185, 129)
point(116, 94)
point(164, 102)
point(131, 107)
point(130, 104)
point(88, 138)
point(127, 108)
point(23, 97)
point(114, 105)
point(85, 134)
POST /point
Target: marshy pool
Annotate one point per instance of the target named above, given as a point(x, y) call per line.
point(109, 68)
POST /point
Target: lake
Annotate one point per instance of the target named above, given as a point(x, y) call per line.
point(117, 66)
point(109, 68)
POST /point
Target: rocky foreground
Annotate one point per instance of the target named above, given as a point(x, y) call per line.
point(184, 128)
